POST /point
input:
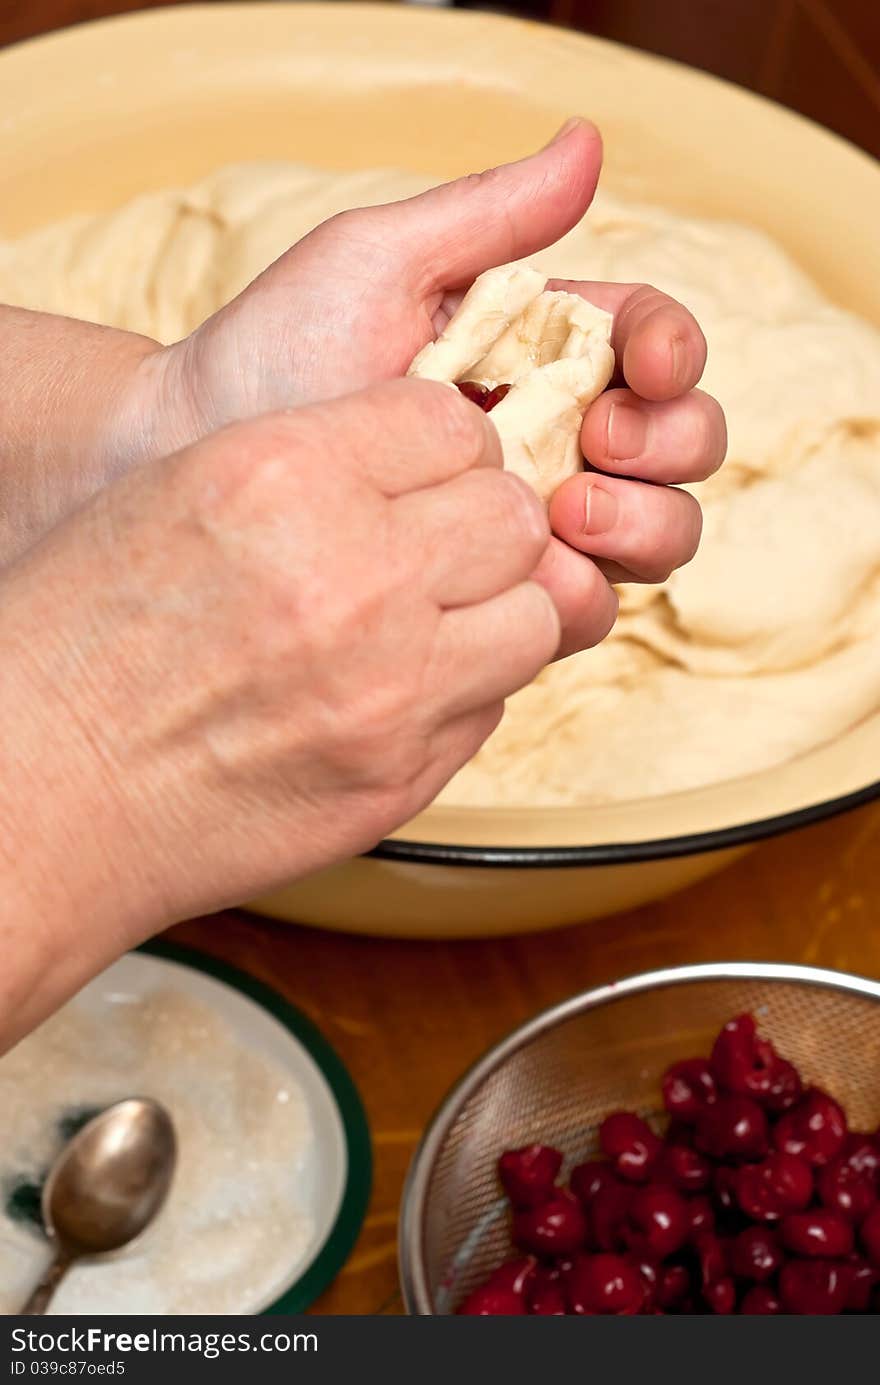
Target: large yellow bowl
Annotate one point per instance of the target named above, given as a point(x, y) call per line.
point(93, 115)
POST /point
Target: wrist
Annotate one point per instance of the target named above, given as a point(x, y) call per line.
point(157, 412)
point(76, 883)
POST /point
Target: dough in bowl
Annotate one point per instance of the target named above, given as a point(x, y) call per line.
point(551, 350)
point(765, 646)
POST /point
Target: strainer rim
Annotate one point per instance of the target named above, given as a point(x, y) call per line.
point(413, 1279)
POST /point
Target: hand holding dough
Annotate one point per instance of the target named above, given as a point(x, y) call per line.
point(552, 348)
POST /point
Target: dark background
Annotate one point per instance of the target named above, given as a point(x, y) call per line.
point(820, 56)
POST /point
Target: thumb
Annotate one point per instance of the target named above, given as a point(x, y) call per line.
point(445, 237)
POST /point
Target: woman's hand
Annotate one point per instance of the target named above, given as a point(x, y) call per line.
point(352, 303)
point(251, 659)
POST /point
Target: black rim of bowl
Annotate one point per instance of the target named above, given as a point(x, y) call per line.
point(623, 853)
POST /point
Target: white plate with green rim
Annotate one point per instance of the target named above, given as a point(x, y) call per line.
point(275, 1166)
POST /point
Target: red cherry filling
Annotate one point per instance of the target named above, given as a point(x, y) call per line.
point(484, 398)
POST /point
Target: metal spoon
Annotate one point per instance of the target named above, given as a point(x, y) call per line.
point(105, 1187)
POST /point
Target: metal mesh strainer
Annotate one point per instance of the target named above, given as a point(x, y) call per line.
point(555, 1078)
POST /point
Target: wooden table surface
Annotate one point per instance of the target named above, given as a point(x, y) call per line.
point(407, 1018)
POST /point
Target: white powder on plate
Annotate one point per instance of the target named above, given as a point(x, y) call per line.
point(234, 1222)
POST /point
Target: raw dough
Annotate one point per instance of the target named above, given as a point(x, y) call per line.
point(552, 348)
point(769, 643)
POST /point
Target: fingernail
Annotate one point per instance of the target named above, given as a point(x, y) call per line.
point(627, 433)
point(600, 510)
point(566, 129)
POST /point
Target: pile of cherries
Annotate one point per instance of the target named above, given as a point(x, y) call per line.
point(758, 1199)
point(485, 398)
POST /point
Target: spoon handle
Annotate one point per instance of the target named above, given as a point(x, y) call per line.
point(41, 1297)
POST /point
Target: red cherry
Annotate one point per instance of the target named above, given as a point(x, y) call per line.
point(515, 1275)
point(869, 1232)
point(631, 1144)
point(487, 1302)
point(814, 1130)
point(711, 1256)
point(608, 1213)
point(544, 1296)
point(720, 1296)
point(781, 1183)
point(761, 1300)
point(477, 394)
point(558, 1227)
point(679, 1133)
point(672, 1287)
point(733, 1127)
point(495, 397)
point(864, 1279)
point(755, 1254)
point(743, 1062)
point(587, 1180)
point(650, 1271)
point(819, 1233)
point(724, 1182)
point(688, 1087)
point(845, 1190)
point(604, 1284)
point(811, 1287)
point(686, 1169)
point(700, 1216)
point(528, 1175)
point(862, 1153)
point(657, 1222)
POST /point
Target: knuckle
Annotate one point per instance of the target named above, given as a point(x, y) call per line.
point(350, 224)
point(519, 512)
point(461, 426)
point(540, 620)
point(245, 466)
point(641, 303)
point(475, 182)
